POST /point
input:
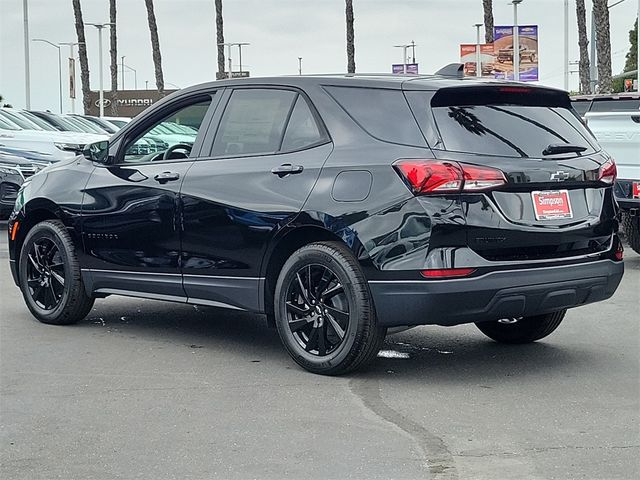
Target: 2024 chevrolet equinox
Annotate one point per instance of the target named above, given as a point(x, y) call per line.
point(339, 206)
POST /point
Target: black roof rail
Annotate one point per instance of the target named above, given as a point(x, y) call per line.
point(452, 70)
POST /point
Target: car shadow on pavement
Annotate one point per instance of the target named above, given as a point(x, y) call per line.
point(443, 355)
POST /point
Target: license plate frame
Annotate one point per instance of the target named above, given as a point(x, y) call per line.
point(551, 205)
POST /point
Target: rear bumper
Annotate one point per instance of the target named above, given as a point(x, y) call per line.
point(499, 294)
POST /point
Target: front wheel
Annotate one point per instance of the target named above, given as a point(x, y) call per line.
point(324, 312)
point(49, 275)
point(523, 329)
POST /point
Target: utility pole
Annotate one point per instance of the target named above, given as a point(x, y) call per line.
point(413, 51)
point(516, 41)
point(300, 65)
point(59, 65)
point(638, 46)
point(27, 75)
point(100, 27)
point(478, 55)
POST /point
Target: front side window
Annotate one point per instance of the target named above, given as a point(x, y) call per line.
point(163, 141)
point(253, 122)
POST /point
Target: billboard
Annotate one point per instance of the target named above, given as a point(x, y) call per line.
point(129, 102)
point(468, 58)
point(408, 68)
point(503, 48)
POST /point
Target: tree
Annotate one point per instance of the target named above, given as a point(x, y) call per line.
point(603, 45)
point(155, 45)
point(113, 52)
point(631, 62)
point(583, 43)
point(220, 40)
point(487, 6)
point(351, 49)
point(82, 54)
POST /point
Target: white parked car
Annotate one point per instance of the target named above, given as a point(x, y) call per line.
point(619, 134)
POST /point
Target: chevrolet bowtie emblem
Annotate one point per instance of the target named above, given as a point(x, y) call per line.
point(559, 176)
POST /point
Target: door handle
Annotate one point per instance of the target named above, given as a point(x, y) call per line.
point(165, 177)
point(287, 169)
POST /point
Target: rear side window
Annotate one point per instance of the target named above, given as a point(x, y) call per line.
point(506, 129)
point(253, 122)
point(302, 130)
point(382, 113)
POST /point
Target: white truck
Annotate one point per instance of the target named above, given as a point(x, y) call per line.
point(618, 132)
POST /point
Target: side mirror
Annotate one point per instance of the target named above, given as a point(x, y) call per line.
point(97, 152)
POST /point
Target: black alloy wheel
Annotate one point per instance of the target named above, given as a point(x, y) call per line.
point(324, 312)
point(49, 275)
point(317, 309)
point(45, 273)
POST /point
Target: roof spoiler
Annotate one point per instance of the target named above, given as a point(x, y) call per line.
point(452, 70)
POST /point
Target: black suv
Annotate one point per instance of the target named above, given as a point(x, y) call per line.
point(339, 206)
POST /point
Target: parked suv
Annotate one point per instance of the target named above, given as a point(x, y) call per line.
point(339, 206)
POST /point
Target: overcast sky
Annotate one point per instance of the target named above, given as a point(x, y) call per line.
point(279, 31)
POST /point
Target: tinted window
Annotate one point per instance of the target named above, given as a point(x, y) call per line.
point(160, 143)
point(384, 114)
point(618, 105)
point(508, 130)
point(581, 107)
point(302, 130)
point(253, 122)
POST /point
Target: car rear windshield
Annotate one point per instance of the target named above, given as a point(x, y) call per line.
point(621, 104)
point(513, 122)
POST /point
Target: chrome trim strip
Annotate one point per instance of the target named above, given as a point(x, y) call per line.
point(150, 296)
point(213, 303)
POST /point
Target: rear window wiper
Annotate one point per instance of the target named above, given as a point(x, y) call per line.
point(555, 148)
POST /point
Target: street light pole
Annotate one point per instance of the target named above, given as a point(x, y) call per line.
point(566, 45)
point(100, 27)
point(27, 75)
point(478, 55)
point(516, 41)
point(122, 71)
point(59, 65)
point(404, 56)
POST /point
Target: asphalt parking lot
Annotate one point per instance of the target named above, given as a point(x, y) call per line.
point(144, 389)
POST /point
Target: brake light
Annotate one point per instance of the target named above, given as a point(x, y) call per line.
point(481, 178)
point(437, 176)
point(447, 272)
point(608, 172)
point(431, 176)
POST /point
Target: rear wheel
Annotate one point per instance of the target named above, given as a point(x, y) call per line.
point(49, 275)
point(324, 313)
point(631, 228)
point(523, 329)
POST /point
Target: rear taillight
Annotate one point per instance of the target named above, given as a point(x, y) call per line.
point(438, 176)
point(447, 272)
point(608, 172)
point(619, 253)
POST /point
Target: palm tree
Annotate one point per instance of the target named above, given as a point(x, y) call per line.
point(82, 54)
point(220, 40)
point(113, 51)
point(487, 6)
point(351, 49)
point(583, 43)
point(603, 45)
point(155, 45)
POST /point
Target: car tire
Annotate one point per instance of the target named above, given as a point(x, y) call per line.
point(324, 311)
point(522, 330)
point(49, 275)
point(631, 228)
